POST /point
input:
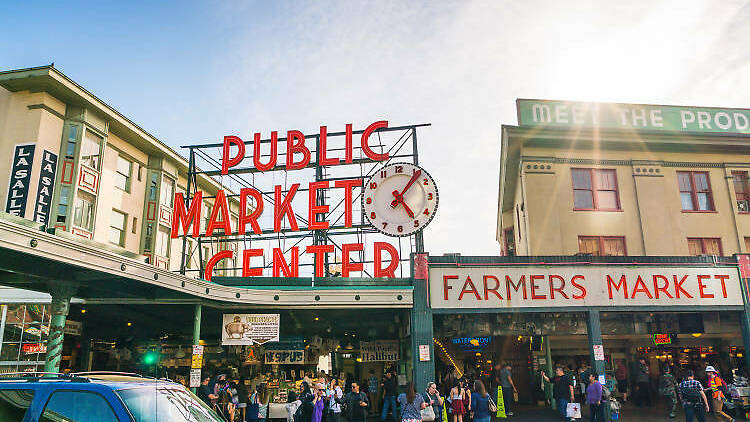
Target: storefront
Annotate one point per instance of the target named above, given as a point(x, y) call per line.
point(570, 311)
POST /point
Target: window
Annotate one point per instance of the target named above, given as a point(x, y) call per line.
point(153, 186)
point(695, 191)
point(79, 406)
point(595, 189)
point(510, 244)
point(14, 404)
point(62, 204)
point(167, 192)
point(122, 174)
point(117, 225)
point(135, 224)
point(206, 216)
point(90, 148)
point(742, 190)
point(747, 244)
point(602, 245)
point(149, 236)
point(150, 404)
point(162, 241)
point(704, 246)
point(70, 149)
point(84, 211)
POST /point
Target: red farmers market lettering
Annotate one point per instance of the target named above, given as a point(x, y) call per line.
point(534, 287)
point(552, 288)
point(578, 286)
point(390, 270)
point(640, 287)
point(521, 284)
point(702, 286)
point(623, 283)
point(664, 289)
point(487, 289)
point(678, 287)
point(446, 287)
point(473, 289)
point(723, 279)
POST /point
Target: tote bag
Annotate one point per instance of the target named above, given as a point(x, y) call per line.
point(428, 414)
point(573, 411)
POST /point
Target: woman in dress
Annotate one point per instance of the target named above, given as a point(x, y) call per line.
point(457, 402)
point(411, 404)
point(306, 401)
point(318, 403)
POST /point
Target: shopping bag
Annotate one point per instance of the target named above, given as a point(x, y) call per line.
point(428, 414)
point(573, 411)
point(491, 405)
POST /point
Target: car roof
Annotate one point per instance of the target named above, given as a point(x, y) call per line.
point(83, 380)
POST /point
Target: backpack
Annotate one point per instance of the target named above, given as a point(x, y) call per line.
point(691, 395)
point(605, 392)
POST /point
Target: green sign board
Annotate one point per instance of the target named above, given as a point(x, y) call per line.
point(633, 116)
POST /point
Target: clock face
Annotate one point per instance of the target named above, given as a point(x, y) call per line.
point(400, 199)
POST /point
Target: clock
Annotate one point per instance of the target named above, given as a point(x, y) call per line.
point(400, 199)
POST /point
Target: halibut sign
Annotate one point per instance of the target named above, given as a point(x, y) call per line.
point(633, 116)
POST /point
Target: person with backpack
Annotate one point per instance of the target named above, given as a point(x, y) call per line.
point(717, 386)
point(595, 397)
point(668, 389)
point(694, 400)
point(356, 404)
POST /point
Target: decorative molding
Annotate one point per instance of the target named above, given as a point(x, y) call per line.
point(46, 108)
point(588, 161)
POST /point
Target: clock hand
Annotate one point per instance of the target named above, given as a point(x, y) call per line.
point(400, 200)
point(400, 196)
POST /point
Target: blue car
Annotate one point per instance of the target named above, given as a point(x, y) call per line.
point(98, 397)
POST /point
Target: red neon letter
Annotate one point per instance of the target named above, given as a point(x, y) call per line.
point(246, 270)
point(220, 204)
point(214, 259)
point(183, 217)
point(281, 208)
point(391, 269)
point(471, 289)
point(534, 287)
point(292, 147)
point(578, 286)
point(348, 184)
point(664, 289)
point(257, 154)
point(322, 146)
point(623, 283)
point(279, 263)
point(251, 218)
point(346, 266)
point(553, 289)
point(493, 290)
point(521, 284)
point(640, 287)
point(446, 287)
point(314, 209)
point(702, 286)
point(366, 147)
point(320, 252)
point(225, 161)
point(678, 287)
point(723, 278)
point(349, 150)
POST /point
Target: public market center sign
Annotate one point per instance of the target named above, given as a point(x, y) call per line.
point(633, 116)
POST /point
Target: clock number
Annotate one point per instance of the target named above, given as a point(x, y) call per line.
point(426, 211)
point(383, 174)
point(429, 196)
point(372, 215)
point(416, 223)
point(373, 185)
point(368, 201)
point(425, 182)
point(400, 229)
point(399, 169)
point(385, 225)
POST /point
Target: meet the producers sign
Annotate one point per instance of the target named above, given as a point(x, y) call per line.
point(633, 116)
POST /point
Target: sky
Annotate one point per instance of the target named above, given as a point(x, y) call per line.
point(191, 72)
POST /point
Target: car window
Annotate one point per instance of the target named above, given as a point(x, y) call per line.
point(166, 404)
point(14, 404)
point(77, 406)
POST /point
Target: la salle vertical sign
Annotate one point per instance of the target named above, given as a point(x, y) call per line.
point(45, 187)
point(20, 177)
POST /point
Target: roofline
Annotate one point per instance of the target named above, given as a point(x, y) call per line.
point(61, 79)
point(518, 100)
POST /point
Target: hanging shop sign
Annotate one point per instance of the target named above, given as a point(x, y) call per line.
point(493, 287)
point(45, 187)
point(197, 358)
point(398, 199)
point(33, 348)
point(195, 378)
point(73, 328)
point(633, 116)
point(249, 329)
point(379, 351)
point(662, 339)
point(285, 357)
point(20, 178)
point(471, 343)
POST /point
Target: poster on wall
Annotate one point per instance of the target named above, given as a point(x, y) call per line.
point(45, 187)
point(285, 357)
point(249, 329)
point(20, 177)
point(379, 351)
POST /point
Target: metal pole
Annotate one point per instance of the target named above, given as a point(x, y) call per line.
point(593, 326)
point(418, 238)
point(197, 316)
point(61, 294)
point(191, 171)
point(550, 368)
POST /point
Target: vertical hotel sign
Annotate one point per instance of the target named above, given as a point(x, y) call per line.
point(45, 187)
point(20, 177)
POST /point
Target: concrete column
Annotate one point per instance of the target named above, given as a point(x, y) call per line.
point(593, 327)
point(421, 324)
point(61, 294)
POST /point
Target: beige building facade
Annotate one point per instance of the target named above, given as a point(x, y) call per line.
point(622, 179)
point(75, 164)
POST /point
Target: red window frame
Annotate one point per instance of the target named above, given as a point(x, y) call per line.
point(601, 240)
point(694, 192)
point(741, 190)
point(703, 240)
point(595, 189)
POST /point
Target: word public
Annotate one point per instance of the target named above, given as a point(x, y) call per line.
point(298, 157)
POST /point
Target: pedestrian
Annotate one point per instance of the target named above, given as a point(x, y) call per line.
point(509, 388)
point(468, 416)
point(253, 407)
point(319, 403)
point(642, 384)
point(306, 398)
point(716, 384)
point(457, 395)
point(668, 389)
point(595, 397)
point(356, 404)
point(621, 376)
point(205, 392)
point(389, 395)
point(224, 407)
point(411, 404)
point(480, 402)
point(694, 400)
point(335, 397)
point(562, 391)
point(432, 397)
point(263, 399)
point(293, 403)
point(372, 391)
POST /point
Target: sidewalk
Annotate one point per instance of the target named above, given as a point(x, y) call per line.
point(628, 413)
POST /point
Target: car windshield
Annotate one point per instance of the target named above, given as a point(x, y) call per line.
point(166, 403)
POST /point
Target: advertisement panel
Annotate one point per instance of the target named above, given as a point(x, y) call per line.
point(45, 187)
point(379, 351)
point(20, 178)
point(248, 329)
point(285, 357)
point(537, 286)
